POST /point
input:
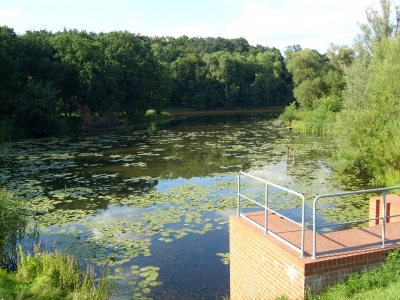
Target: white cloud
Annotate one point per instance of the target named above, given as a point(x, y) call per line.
point(310, 23)
point(10, 13)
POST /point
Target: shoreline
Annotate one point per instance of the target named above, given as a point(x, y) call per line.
point(225, 111)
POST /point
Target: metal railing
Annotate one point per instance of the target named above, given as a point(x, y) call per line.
point(267, 209)
point(383, 218)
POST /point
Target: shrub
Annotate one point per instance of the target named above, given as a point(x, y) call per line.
point(289, 114)
point(151, 113)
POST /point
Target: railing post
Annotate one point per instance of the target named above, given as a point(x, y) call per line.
point(384, 219)
point(303, 231)
point(238, 196)
point(314, 256)
point(266, 209)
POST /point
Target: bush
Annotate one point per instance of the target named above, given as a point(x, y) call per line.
point(152, 114)
point(319, 120)
point(368, 129)
point(289, 114)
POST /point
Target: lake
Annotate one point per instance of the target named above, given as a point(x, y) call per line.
point(151, 204)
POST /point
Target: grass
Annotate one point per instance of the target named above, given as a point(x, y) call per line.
point(13, 227)
point(381, 282)
point(45, 275)
point(51, 275)
point(319, 120)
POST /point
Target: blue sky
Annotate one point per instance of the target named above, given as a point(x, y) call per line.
point(275, 23)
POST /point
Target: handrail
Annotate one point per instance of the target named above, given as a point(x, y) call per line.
point(266, 208)
point(384, 216)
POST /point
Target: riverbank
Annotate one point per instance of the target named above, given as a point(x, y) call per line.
point(177, 113)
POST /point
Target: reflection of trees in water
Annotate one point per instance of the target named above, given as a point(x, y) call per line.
point(201, 162)
point(95, 202)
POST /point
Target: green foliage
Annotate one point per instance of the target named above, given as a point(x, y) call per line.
point(13, 227)
point(151, 113)
point(330, 103)
point(379, 25)
point(368, 128)
point(319, 120)
point(307, 69)
point(5, 128)
point(9, 70)
point(44, 75)
point(37, 109)
point(317, 76)
point(52, 275)
point(359, 285)
point(340, 56)
point(289, 114)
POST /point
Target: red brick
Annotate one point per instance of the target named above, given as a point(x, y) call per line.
point(253, 254)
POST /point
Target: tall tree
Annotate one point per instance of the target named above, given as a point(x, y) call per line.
point(368, 125)
point(307, 68)
point(9, 71)
point(268, 81)
point(227, 69)
point(379, 24)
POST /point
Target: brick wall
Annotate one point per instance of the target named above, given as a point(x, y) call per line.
point(262, 267)
point(323, 273)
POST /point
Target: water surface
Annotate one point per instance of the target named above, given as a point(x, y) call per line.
point(152, 204)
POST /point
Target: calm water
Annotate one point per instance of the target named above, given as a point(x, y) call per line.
point(152, 204)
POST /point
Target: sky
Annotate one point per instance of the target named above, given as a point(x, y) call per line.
point(313, 24)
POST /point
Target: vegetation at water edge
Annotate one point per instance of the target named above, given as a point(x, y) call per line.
point(382, 282)
point(51, 275)
point(45, 274)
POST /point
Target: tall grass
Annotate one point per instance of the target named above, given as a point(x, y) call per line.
point(52, 275)
point(13, 228)
point(318, 120)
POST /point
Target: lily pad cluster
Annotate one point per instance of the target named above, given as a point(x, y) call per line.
point(109, 198)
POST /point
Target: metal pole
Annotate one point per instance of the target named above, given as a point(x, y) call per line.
point(384, 219)
point(266, 209)
point(238, 196)
point(314, 256)
point(303, 231)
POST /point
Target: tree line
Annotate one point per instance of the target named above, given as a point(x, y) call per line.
point(45, 75)
point(350, 92)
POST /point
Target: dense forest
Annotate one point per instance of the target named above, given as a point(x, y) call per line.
point(349, 92)
point(47, 74)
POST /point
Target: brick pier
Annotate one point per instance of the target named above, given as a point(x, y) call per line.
point(262, 267)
